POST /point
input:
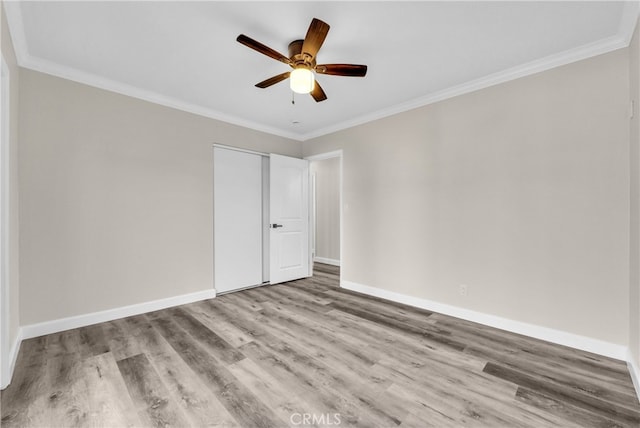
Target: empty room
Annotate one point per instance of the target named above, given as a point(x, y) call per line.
point(320, 213)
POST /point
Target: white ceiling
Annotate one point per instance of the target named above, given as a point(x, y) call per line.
point(184, 54)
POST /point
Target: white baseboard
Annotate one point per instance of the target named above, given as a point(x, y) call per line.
point(54, 326)
point(634, 370)
point(584, 343)
point(13, 356)
point(326, 261)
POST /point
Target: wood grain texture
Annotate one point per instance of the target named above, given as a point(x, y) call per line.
point(267, 356)
point(148, 393)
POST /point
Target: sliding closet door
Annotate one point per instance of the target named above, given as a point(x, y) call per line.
point(238, 219)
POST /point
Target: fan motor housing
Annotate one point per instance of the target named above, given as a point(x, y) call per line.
point(298, 58)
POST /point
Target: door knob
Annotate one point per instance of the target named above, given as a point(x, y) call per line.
point(275, 226)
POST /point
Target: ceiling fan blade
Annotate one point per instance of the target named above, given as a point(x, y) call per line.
point(316, 34)
point(317, 93)
point(273, 80)
point(353, 70)
point(265, 50)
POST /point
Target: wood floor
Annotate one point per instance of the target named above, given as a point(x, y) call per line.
point(309, 353)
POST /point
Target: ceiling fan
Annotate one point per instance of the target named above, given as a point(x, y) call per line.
point(302, 58)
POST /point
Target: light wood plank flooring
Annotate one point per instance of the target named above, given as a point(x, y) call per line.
point(308, 353)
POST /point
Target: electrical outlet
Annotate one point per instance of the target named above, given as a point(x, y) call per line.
point(464, 290)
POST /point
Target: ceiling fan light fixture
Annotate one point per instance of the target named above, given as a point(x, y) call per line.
point(302, 59)
point(301, 80)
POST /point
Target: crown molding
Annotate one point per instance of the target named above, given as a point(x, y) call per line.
point(89, 79)
point(25, 60)
point(16, 29)
point(626, 28)
point(629, 20)
point(622, 39)
point(544, 64)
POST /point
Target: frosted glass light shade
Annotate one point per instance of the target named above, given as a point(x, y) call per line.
point(301, 80)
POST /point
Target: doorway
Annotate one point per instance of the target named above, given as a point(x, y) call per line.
point(326, 207)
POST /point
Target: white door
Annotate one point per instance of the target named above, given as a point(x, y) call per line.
point(238, 220)
point(289, 214)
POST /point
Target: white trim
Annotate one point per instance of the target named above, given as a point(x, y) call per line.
point(13, 357)
point(326, 261)
point(620, 40)
point(584, 343)
point(6, 368)
point(313, 217)
point(341, 213)
point(634, 371)
point(49, 67)
point(13, 13)
point(54, 326)
point(237, 149)
point(533, 67)
point(629, 20)
point(324, 156)
point(329, 155)
point(553, 61)
point(25, 60)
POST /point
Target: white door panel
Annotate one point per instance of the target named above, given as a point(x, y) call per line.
point(238, 220)
point(289, 213)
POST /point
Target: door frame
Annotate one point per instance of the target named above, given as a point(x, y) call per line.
point(6, 360)
point(312, 227)
point(267, 156)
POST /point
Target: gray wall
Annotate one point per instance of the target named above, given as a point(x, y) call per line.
point(327, 175)
point(634, 256)
point(116, 197)
point(14, 225)
point(520, 191)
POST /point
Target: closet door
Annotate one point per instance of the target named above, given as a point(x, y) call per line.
point(238, 219)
